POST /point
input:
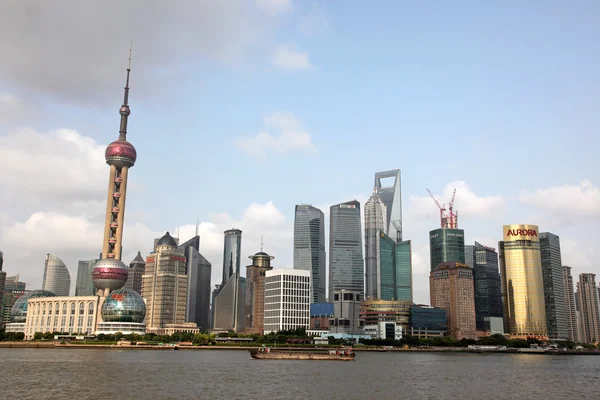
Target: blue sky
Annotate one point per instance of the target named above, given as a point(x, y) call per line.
point(500, 98)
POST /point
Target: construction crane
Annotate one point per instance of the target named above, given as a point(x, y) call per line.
point(450, 219)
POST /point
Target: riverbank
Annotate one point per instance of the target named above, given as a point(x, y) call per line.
point(55, 345)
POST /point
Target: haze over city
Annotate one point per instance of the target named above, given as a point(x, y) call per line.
point(241, 110)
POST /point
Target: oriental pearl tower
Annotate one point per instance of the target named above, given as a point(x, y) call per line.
point(110, 273)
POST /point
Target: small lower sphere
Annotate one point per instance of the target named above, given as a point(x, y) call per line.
point(123, 305)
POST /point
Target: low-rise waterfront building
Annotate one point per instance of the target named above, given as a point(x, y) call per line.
point(384, 330)
point(287, 299)
point(320, 314)
point(427, 322)
point(346, 318)
point(373, 311)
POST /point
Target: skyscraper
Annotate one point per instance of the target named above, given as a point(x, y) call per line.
point(137, 267)
point(309, 247)
point(572, 331)
point(56, 276)
point(199, 272)
point(446, 245)
point(2, 279)
point(451, 288)
point(394, 269)
point(391, 197)
point(255, 291)
point(375, 223)
point(554, 288)
point(522, 282)
point(231, 253)
point(487, 283)
point(110, 273)
point(587, 294)
point(346, 264)
point(164, 285)
point(84, 285)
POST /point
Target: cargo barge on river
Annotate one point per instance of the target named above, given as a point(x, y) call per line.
point(266, 353)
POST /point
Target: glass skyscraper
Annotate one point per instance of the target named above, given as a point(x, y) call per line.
point(199, 275)
point(391, 197)
point(375, 222)
point(394, 276)
point(554, 287)
point(84, 285)
point(446, 245)
point(309, 248)
point(231, 254)
point(572, 328)
point(486, 283)
point(56, 276)
point(346, 264)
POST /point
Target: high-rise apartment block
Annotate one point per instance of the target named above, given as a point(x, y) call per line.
point(522, 282)
point(137, 268)
point(394, 269)
point(56, 276)
point(287, 299)
point(199, 275)
point(589, 309)
point(309, 247)
point(346, 264)
point(446, 245)
point(572, 330)
point(487, 283)
point(554, 287)
point(164, 285)
point(255, 291)
point(84, 285)
point(451, 288)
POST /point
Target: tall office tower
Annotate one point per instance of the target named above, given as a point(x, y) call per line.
point(451, 288)
point(446, 245)
point(394, 269)
point(2, 279)
point(213, 297)
point(346, 264)
point(137, 267)
point(198, 295)
point(56, 276)
point(164, 285)
point(110, 273)
point(231, 254)
point(375, 223)
point(309, 247)
point(487, 285)
point(572, 331)
point(287, 299)
point(522, 282)
point(587, 296)
point(84, 285)
point(391, 197)
point(255, 291)
point(13, 284)
point(554, 287)
point(230, 305)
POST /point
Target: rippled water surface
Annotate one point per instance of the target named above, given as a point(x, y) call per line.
point(211, 374)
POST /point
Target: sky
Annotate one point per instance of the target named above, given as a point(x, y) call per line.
point(241, 109)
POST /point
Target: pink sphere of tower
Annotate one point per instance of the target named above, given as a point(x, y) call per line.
point(109, 274)
point(120, 153)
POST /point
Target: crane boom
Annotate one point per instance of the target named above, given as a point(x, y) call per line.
point(452, 200)
point(440, 206)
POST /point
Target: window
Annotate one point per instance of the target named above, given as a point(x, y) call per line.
point(72, 308)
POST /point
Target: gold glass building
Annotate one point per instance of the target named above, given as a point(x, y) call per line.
point(522, 282)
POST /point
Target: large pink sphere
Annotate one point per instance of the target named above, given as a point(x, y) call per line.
point(120, 153)
point(110, 274)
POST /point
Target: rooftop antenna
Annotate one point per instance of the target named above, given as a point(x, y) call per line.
point(124, 111)
point(197, 226)
point(261, 243)
point(177, 231)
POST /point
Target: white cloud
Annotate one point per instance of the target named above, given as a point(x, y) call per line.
point(467, 202)
point(12, 108)
point(286, 56)
point(581, 200)
point(275, 7)
point(314, 21)
point(291, 137)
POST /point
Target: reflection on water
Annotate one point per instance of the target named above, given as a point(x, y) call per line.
point(86, 374)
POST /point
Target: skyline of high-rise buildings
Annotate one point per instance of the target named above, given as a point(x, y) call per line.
point(309, 248)
point(346, 263)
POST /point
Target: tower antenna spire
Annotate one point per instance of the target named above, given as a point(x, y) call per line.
point(124, 110)
point(261, 243)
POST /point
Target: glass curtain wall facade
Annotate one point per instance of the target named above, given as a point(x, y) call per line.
point(391, 197)
point(346, 264)
point(572, 330)
point(394, 275)
point(56, 276)
point(522, 282)
point(199, 275)
point(309, 248)
point(231, 254)
point(84, 285)
point(554, 287)
point(446, 245)
point(375, 222)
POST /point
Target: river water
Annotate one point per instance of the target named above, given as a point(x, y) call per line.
point(214, 374)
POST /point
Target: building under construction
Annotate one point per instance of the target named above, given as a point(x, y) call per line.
point(447, 243)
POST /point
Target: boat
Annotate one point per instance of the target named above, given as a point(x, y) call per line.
point(266, 353)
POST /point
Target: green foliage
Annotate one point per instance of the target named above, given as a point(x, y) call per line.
point(518, 344)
